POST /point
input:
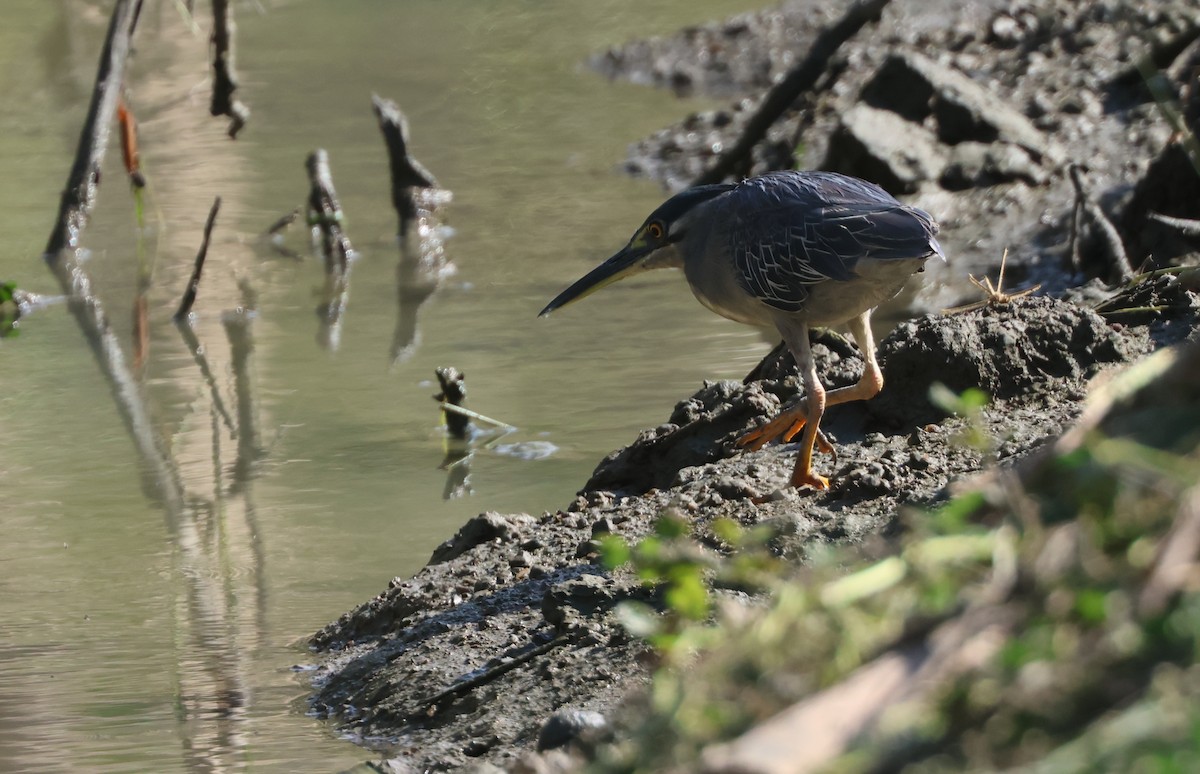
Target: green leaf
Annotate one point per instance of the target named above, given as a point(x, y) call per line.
point(879, 577)
point(728, 530)
point(974, 398)
point(953, 516)
point(614, 551)
point(639, 619)
point(669, 525)
point(1092, 606)
point(688, 596)
point(968, 403)
point(647, 551)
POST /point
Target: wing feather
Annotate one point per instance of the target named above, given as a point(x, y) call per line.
point(792, 230)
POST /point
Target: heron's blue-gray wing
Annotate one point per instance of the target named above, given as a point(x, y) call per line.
point(787, 237)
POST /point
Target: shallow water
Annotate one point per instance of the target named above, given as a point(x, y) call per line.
point(140, 637)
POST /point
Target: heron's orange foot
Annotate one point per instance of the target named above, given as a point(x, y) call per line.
point(808, 478)
point(782, 428)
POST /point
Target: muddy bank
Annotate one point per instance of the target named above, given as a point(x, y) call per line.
point(508, 641)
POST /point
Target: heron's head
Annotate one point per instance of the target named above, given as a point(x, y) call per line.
point(653, 245)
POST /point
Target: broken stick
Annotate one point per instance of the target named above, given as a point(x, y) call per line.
point(406, 172)
point(224, 78)
point(189, 295)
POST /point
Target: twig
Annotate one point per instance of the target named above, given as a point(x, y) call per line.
point(1185, 226)
point(993, 295)
point(1076, 235)
point(189, 295)
point(1175, 563)
point(284, 222)
point(466, 412)
point(406, 172)
point(458, 689)
point(224, 77)
point(1118, 259)
point(800, 79)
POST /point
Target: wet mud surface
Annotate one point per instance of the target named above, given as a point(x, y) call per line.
point(507, 641)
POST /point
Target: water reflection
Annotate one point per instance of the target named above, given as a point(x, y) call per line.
point(421, 270)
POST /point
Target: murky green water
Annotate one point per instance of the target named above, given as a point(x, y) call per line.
point(137, 638)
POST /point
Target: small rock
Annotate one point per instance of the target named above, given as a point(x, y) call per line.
point(566, 602)
point(880, 145)
point(568, 725)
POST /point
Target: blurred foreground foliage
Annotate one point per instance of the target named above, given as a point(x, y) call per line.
point(1047, 617)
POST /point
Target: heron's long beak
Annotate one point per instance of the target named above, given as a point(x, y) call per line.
point(627, 262)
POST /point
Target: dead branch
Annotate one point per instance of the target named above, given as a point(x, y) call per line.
point(799, 80)
point(325, 211)
point(1186, 226)
point(1118, 260)
point(406, 172)
point(284, 222)
point(80, 193)
point(454, 393)
point(189, 295)
point(434, 703)
point(224, 103)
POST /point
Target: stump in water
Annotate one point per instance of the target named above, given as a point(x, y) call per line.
point(454, 392)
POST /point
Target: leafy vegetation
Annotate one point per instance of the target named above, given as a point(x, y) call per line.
point(10, 310)
point(1070, 582)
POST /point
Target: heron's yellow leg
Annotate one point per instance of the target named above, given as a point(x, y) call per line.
point(807, 416)
point(802, 474)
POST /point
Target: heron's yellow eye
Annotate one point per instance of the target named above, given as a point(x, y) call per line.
point(655, 231)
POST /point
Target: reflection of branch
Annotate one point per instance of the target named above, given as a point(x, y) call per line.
point(80, 192)
point(415, 196)
point(784, 93)
point(194, 346)
point(422, 268)
point(189, 295)
point(413, 289)
point(224, 79)
point(457, 464)
point(77, 200)
point(241, 348)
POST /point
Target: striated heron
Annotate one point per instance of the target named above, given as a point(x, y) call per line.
point(792, 250)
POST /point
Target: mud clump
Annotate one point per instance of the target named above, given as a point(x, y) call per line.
point(1007, 351)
